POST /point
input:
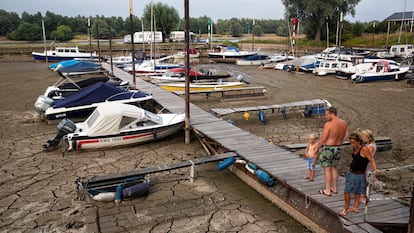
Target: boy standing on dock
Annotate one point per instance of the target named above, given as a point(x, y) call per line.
point(311, 156)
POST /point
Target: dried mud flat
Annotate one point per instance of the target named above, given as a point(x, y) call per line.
point(38, 191)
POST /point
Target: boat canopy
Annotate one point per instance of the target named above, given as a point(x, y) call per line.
point(74, 66)
point(382, 65)
point(110, 118)
point(98, 92)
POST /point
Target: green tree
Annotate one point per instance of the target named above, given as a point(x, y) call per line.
point(100, 28)
point(27, 31)
point(8, 22)
point(62, 33)
point(312, 14)
point(165, 19)
point(258, 30)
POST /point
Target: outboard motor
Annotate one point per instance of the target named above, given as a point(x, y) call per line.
point(42, 103)
point(64, 127)
point(240, 78)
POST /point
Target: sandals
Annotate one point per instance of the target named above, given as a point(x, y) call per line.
point(323, 193)
point(343, 213)
point(334, 192)
point(306, 177)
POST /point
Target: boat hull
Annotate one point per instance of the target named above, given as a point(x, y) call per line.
point(375, 78)
point(171, 87)
point(123, 139)
point(42, 57)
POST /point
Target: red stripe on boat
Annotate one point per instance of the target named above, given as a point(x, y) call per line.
point(87, 142)
point(135, 136)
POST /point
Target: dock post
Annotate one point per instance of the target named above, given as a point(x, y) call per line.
point(411, 220)
point(192, 168)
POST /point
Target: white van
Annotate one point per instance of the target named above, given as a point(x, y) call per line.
point(144, 37)
point(179, 36)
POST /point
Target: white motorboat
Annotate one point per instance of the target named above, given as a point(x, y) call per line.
point(113, 125)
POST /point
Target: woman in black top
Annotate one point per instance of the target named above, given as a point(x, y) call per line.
point(355, 179)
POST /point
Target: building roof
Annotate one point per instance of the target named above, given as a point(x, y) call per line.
point(400, 16)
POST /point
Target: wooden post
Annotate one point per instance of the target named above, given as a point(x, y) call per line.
point(131, 22)
point(110, 50)
point(187, 72)
point(411, 220)
point(97, 39)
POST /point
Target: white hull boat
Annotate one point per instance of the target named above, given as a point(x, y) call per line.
point(114, 125)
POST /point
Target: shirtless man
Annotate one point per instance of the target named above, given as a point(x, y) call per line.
point(334, 133)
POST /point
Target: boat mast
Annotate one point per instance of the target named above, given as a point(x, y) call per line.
point(132, 42)
point(402, 22)
point(187, 71)
point(44, 39)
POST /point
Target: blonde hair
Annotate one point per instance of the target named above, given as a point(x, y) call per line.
point(313, 135)
point(368, 134)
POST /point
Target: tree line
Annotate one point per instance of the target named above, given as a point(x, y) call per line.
point(166, 19)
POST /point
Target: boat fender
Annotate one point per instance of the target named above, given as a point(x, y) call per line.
point(252, 166)
point(262, 117)
point(225, 163)
point(283, 110)
point(118, 194)
point(240, 161)
point(264, 177)
point(248, 168)
point(246, 116)
point(231, 122)
point(137, 190)
point(104, 197)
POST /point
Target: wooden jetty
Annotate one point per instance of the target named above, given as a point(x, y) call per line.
point(291, 192)
point(315, 103)
point(232, 94)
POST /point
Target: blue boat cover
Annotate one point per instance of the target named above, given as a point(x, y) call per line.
point(98, 92)
point(256, 57)
point(75, 66)
point(230, 48)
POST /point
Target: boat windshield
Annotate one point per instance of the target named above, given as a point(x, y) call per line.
point(92, 118)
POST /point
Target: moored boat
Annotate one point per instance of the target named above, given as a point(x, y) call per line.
point(178, 75)
point(115, 124)
point(201, 86)
point(229, 54)
point(76, 67)
point(253, 60)
point(381, 71)
point(82, 103)
point(193, 53)
point(64, 53)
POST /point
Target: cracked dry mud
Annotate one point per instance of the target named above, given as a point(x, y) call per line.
point(38, 191)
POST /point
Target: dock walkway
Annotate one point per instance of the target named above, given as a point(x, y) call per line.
point(291, 191)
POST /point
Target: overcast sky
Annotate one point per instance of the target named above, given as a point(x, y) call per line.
point(366, 10)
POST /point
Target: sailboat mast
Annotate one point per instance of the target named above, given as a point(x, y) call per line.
point(44, 39)
point(132, 42)
point(187, 71)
